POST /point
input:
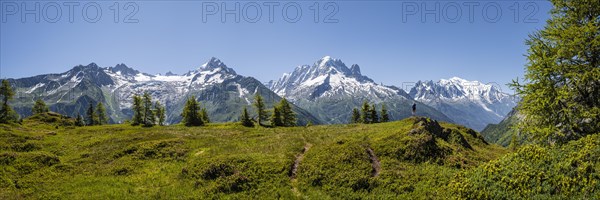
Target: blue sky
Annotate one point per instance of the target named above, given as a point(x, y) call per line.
point(394, 42)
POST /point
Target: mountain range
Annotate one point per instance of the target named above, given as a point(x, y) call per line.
point(322, 93)
point(220, 89)
point(470, 103)
point(330, 90)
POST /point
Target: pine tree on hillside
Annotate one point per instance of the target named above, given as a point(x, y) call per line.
point(276, 117)
point(365, 116)
point(261, 113)
point(137, 110)
point(384, 114)
point(191, 113)
point(245, 118)
point(561, 91)
point(7, 114)
point(373, 114)
point(160, 113)
point(39, 107)
point(91, 117)
point(148, 118)
point(79, 120)
point(101, 111)
point(204, 115)
point(288, 117)
point(355, 116)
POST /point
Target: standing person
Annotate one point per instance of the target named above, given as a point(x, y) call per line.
point(414, 108)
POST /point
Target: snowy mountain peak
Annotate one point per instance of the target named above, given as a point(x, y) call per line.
point(455, 79)
point(123, 70)
point(327, 65)
point(169, 73)
point(214, 64)
point(329, 77)
point(355, 69)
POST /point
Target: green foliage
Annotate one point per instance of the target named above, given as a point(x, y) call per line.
point(101, 112)
point(245, 118)
point(148, 120)
point(283, 115)
point(288, 117)
point(52, 118)
point(169, 149)
point(373, 114)
point(259, 105)
point(79, 120)
point(355, 116)
point(276, 117)
point(229, 161)
point(191, 113)
point(385, 117)
point(137, 111)
point(7, 114)
point(365, 116)
point(503, 132)
point(91, 117)
point(571, 171)
point(39, 107)
point(561, 93)
point(204, 115)
point(368, 114)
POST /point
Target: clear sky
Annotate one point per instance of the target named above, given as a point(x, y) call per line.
point(394, 42)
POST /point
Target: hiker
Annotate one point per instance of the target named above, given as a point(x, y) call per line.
point(414, 108)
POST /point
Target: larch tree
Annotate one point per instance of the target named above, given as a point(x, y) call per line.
point(39, 107)
point(561, 89)
point(101, 112)
point(261, 111)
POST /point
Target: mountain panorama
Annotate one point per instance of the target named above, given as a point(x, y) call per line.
point(322, 93)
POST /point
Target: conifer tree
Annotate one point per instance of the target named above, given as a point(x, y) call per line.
point(561, 91)
point(191, 113)
point(261, 113)
point(365, 116)
point(288, 117)
point(101, 111)
point(373, 113)
point(204, 115)
point(39, 107)
point(245, 118)
point(91, 117)
point(276, 117)
point(355, 116)
point(79, 120)
point(7, 114)
point(148, 119)
point(137, 110)
point(384, 114)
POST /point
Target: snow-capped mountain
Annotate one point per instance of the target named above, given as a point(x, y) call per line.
point(219, 88)
point(470, 103)
point(330, 90)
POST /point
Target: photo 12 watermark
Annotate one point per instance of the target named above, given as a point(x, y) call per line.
point(71, 12)
point(469, 11)
point(271, 12)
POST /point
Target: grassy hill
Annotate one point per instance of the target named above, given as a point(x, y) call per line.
point(412, 157)
point(502, 133)
point(46, 157)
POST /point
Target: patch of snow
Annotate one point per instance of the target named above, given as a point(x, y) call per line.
point(39, 85)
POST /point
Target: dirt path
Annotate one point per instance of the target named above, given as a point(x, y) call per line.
point(299, 159)
point(374, 162)
point(294, 170)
